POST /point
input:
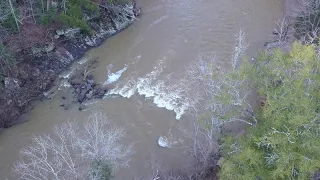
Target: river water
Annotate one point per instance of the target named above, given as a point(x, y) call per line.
point(168, 35)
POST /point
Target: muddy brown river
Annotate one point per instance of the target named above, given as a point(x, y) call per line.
point(168, 35)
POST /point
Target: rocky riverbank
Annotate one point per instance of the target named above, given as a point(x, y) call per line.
point(38, 67)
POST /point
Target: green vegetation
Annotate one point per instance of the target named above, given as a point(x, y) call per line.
point(285, 143)
point(48, 16)
point(10, 24)
point(74, 16)
point(72, 13)
point(101, 170)
point(73, 22)
point(6, 59)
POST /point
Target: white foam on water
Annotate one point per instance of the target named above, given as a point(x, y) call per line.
point(137, 41)
point(168, 142)
point(136, 60)
point(155, 8)
point(67, 74)
point(162, 18)
point(65, 84)
point(163, 142)
point(163, 94)
point(83, 61)
point(113, 77)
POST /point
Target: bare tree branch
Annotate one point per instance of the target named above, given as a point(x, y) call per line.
point(218, 97)
point(14, 14)
point(69, 152)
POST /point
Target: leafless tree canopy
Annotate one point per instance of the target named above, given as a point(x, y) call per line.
point(218, 89)
point(307, 23)
point(69, 151)
point(219, 94)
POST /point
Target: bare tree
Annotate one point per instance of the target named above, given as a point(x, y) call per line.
point(219, 91)
point(307, 23)
point(219, 97)
point(239, 49)
point(99, 140)
point(281, 31)
point(70, 151)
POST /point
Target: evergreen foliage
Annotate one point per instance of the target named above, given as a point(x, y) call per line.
point(285, 144)
point(75, 14)
point(49, 16)
point(6, 17)
point(73, 22)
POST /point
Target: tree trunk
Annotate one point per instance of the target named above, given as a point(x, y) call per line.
point(64, 6)
point(32, 12)
point(14, 14)
point(48, 4)
point(42, 6)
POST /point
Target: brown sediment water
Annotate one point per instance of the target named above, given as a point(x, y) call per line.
point(165, 38)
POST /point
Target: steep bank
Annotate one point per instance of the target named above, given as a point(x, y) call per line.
point(38, 67)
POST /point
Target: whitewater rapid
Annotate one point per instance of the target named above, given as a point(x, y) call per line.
point(160, 91)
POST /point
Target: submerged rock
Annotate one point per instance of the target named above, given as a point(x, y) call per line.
point(82, 107)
